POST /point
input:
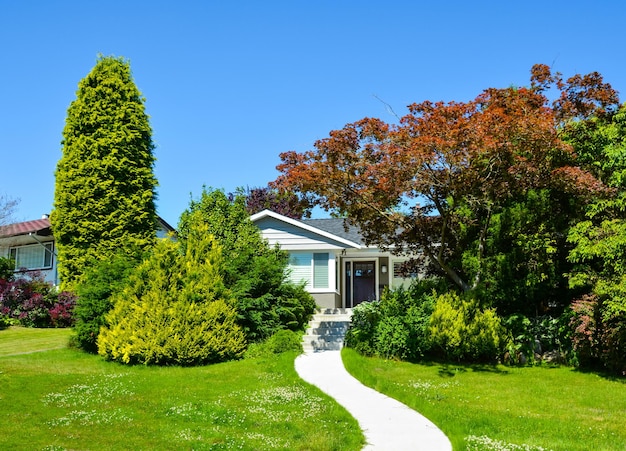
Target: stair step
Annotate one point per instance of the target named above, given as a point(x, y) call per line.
point(316, 323)
point(331, 318)
point(335, 311)
point(324, 338)
point(327, 330)
point(317, 345)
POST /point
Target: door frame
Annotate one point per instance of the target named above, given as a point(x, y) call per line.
point(344, 299)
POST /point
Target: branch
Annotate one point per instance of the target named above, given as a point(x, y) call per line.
point(389, 108)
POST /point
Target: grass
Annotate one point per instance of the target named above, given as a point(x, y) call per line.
point(65, 399)
point(21, 340)
point(498, 407)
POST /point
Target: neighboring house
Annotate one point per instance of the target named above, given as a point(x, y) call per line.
point(340, 271)
point(31, 245)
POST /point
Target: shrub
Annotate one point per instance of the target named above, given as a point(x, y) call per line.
point(35, 311)
point(174, 309)
point(283, 306)
point(6, 269)
point(461, 330)
point(253, 271)
point(5, 321)
point(281, 341)
point(598, 335)
point(100, 281)
point(530, 336)
point(362, 331)
point(33, 302)
point(62, 311)
point(392, 338)
point(396, 326)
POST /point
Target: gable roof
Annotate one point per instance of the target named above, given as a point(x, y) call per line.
point(329, 231)
point(37, 226)
point(338, 227)
point(42, 227)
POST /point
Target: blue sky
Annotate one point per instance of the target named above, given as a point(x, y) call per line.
point(231, 84)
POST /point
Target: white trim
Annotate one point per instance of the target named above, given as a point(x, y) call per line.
point(47, 251)
point(294, 222)
point(331, 268)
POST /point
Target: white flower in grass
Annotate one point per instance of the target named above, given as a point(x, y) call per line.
point(484, 443)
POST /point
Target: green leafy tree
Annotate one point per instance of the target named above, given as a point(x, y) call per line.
point(254, 271)
point(599, 240)
point(104, 199)
point(175, 308)
point(525, 256)
point(433, 183)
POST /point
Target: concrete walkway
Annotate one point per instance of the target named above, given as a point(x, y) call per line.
point(386, 423)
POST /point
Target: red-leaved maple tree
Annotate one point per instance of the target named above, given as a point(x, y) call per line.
point(418, 187)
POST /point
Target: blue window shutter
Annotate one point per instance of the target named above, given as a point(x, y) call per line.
point(320, 270)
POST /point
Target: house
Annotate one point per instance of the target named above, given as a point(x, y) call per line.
point(339, 269)
point(31, 245)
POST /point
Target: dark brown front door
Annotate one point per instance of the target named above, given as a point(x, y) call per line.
point(360, 282)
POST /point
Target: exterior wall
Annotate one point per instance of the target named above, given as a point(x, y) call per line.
point(397, 282)
point(292, 238)
point(327, 300)
point(383, 277)
point(299, 240)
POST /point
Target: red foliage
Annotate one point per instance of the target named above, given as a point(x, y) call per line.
point(35, 303)
point(451, 158)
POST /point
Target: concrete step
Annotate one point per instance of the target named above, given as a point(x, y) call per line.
point(317, 344)
point(326, 338)
point(319, 324)
point(332, 318)
point(327, 330)
point(334, 311)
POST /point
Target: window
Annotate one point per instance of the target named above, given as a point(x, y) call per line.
point(397, 270)
point(311, 268)
point(35, 256)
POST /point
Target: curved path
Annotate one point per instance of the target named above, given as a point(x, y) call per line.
point(387, 424)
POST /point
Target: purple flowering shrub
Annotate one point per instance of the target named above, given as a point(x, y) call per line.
point(62, 311)
point(34, 302)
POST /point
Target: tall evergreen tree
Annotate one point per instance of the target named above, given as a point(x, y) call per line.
point(105, 185)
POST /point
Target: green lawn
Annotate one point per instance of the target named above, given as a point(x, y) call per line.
point(65, 399)
point(21, 340)
point(505, 407)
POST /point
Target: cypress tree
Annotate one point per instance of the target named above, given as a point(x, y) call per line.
point(105, 190)
point(174, 308)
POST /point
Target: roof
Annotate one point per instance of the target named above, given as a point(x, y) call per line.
point(325, 230)
point(37, 226)
point(165, 225)
point(42, 227)
point(338, 227)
